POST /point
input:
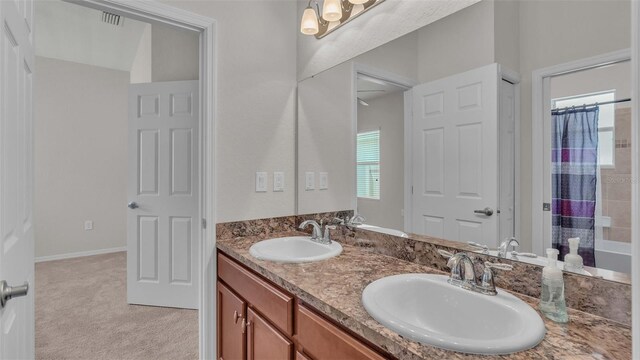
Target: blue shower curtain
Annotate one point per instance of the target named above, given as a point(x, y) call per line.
point(574, 179)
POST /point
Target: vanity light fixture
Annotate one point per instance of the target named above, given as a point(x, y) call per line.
point(334, 13)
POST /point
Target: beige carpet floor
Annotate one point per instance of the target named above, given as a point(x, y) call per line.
point(82, 313)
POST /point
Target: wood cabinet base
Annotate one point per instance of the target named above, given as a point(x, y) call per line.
point(256, 318)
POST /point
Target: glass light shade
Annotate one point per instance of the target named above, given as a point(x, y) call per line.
point(358, 2)
point(332, 10)
point(309, 23)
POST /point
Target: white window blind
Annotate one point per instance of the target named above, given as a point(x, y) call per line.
point(368, 164)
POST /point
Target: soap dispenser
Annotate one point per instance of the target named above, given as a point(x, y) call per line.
point(573, 261)
point(552, 302)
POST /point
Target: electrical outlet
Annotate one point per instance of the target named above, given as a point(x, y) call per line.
point(324, 181)
point(261, 181)
point(88, 225)
point(278, 181)
point(310, 181)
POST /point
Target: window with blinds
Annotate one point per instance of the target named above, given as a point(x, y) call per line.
point(368, 164)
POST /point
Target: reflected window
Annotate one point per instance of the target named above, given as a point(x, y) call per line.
point(606, 122)
point(368, 164)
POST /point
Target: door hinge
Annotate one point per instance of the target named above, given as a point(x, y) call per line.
point(546, 206)
point(204, 223)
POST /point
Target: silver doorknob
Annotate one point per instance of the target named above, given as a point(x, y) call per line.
point(486, 211)
point(9, 292)
point(132, 205)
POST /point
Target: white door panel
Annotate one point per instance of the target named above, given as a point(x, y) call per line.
point(16, 178)
point(163, 136)
point(455, 161)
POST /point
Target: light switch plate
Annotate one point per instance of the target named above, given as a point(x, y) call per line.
point(278, 181)
point(261, 181)
point(323, 181)
point(88, 225)
point(309, 181)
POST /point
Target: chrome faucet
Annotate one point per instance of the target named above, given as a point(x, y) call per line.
point(356, 220)
point(463, 273)
point(504, 247)
point(316, 234)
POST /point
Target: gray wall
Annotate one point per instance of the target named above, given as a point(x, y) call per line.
point(256, 84)
point(80, 157)
point(386, 113)
point(174, 54)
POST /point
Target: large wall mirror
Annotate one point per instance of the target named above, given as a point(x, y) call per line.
point(507, 119)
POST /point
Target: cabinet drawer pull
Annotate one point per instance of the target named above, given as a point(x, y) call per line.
point(245, 325)
point(236, 316)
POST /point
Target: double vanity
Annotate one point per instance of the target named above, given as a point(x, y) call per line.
point(294, 297)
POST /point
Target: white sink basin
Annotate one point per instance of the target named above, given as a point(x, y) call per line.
point(427, 309)
point(294, 249)
point(383, 230)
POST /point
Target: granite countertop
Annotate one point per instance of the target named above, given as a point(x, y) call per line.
point(334, 287)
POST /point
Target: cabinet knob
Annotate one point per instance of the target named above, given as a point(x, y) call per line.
point(245, 325)
point(236, 316)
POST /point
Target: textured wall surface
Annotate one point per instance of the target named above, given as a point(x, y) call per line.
point(386, 22)
point(256, 84)
point(80, 157)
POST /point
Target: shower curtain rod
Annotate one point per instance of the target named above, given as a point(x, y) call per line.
point(594, 104)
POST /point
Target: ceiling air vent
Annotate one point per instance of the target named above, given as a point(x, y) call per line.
point(112, 19)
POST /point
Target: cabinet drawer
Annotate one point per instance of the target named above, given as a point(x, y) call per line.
point(322, 340)
point(273, 303)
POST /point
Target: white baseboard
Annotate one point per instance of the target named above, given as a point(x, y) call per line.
point(80, 254)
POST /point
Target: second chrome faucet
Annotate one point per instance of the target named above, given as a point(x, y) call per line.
point(463, 273)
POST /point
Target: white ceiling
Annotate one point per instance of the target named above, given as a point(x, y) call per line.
point(370, 88)
point(76, 33)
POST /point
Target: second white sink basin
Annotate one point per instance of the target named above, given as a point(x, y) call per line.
point(427, 309)
point(294, 249)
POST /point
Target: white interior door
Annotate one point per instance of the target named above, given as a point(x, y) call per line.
point(455, 157)
point(163, 224)
point(16, 179)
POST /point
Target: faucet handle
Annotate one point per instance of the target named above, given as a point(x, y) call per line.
point(515, 254)
point(484, 248)
point(498, 266)
point(487, 285)
point(445, 253)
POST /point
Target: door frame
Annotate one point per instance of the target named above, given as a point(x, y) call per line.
point(395, 79)
point(504, 73)
point(635, 187)
point(540, 91)
point(513, 77)
point(153, 11)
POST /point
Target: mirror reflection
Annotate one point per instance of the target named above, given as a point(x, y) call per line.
point(514, 148)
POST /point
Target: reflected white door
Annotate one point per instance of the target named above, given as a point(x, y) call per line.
point(455, 157)
point(16, 177)
point(162, 223)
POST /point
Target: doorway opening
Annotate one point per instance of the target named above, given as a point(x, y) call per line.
point(586, 159)
point(132, 156)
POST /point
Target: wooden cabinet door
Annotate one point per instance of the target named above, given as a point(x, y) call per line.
point(300, 356)
point(264, 341)
point(322, 340)
point(231, 325)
